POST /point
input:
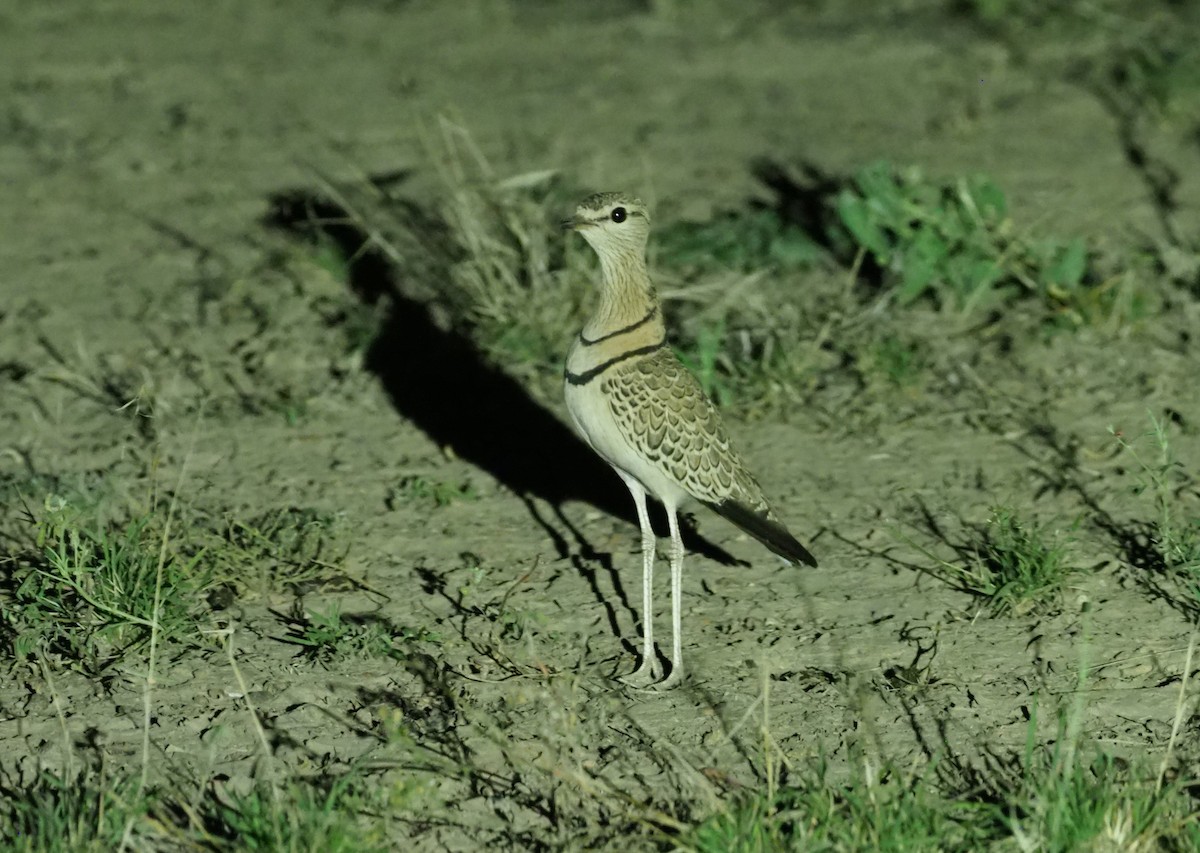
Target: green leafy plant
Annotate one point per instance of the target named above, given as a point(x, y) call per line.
point(954, 241)
point(1140, 53)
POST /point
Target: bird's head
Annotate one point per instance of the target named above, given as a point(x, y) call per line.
point(612, 223)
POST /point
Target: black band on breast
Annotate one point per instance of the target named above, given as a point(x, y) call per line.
point(588, 375)
point(587, 342)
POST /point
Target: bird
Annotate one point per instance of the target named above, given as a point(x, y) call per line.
point(646, 415)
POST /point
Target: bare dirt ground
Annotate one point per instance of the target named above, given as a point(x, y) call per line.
point(141, 146)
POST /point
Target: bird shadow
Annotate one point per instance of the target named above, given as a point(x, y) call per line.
point(439, 380)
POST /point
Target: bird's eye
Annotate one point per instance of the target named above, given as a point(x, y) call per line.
point(618, 214)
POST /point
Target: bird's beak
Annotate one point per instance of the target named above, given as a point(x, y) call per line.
point(573, 224)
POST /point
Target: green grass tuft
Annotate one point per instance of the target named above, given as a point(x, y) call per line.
point(420, 489)
point(900, 360)
point(1063, 797)
point(295, 548)
point(1014, 565)
point(1176, 521)
point(704, 355)
point(815, 813)
point(56, 814)
point(83, 591)
point(326, 636)
point(295, 817)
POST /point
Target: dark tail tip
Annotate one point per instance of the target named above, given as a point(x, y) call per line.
point(767, 531)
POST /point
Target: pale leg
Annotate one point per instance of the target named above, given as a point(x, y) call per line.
point(648, 672)
point(676, 675)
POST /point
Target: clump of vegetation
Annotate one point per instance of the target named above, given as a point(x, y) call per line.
point(1142, 62)
point(1155, 66)
point(738, 240)
point(704, 355)
point(1145, 54)
point(812, 812)
point(515, 281)
point(297, 816)
point(86, 812)
point(954, 242)
point(325, 636)
point(285, 547)
point(358, 320)
point(899, 359)
point(90, 812)
point(420, 489)
point(1014, 565)
point(1175, 526)
point(88, 590)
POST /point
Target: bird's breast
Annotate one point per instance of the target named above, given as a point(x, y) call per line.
point(592, 412)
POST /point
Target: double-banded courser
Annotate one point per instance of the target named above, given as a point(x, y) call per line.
point(646, 415)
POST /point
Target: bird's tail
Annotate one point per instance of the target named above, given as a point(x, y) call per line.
point(766, 530)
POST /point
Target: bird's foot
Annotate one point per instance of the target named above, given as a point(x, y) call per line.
point(646, 675)
point(673, 680)
point(650, 678)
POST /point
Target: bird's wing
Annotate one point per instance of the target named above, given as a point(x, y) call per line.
point(665, 416)
point(662, 412)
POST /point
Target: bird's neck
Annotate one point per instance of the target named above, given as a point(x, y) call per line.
point(628, 300)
